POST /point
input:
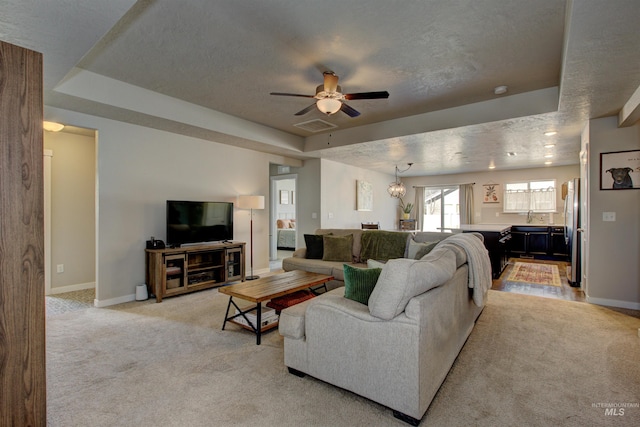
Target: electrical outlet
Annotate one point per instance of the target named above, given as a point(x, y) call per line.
point(60, 268)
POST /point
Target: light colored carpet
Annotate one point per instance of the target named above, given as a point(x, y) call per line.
point(540, 274)
point(530, 362)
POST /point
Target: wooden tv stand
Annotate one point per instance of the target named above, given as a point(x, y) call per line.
point(175, 271)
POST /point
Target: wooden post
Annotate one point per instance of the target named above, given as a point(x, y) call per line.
point(22, 309)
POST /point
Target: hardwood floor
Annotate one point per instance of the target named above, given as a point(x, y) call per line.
point(565, 291)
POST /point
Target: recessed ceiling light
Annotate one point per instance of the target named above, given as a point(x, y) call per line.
point(492, 166)
point(549, 145)
point(548, 163)
point(511, 154)
point(500, 90)
point(548, 156)
point(550, 133)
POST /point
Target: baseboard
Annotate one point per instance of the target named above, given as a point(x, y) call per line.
point(71, 288)
point(113, 301)
point(614, 303)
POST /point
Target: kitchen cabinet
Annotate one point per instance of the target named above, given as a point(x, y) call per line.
point(538, 241)
point(559, 247)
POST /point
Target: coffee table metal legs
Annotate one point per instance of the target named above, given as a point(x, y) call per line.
point(258, 308)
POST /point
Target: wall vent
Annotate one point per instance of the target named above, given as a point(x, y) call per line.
point(315, 125)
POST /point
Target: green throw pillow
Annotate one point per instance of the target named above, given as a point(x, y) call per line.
point(428, 247)
point(417, 250)
point(359, 283)
point(337, 248)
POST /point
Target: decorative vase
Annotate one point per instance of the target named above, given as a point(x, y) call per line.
point(406, 215)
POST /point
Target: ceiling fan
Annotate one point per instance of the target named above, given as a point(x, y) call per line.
point(330, 98)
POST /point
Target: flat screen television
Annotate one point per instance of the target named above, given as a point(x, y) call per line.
point(198, 222)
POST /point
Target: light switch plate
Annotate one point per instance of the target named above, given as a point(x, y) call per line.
point(608, 216)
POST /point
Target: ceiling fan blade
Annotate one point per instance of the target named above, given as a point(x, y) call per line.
point(330, 82)
point(292, 94)
point(367, 95)
point(349, 111)
point(306, 110)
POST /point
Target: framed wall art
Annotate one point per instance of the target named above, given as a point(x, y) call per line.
point(284, 197)
point(620, 170)
point(491, 193)
point(364, 196)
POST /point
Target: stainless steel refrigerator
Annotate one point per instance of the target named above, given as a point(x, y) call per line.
point(572, 230)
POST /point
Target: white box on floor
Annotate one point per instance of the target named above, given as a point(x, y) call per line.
point(269, 316)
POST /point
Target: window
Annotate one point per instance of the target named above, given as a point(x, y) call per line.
point(441, 208)
point(536, 196)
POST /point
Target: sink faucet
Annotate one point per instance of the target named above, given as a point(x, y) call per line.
point(529, 217)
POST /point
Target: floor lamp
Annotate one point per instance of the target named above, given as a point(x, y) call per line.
point(251, 202)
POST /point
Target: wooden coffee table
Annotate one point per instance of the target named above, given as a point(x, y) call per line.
point(265, 289)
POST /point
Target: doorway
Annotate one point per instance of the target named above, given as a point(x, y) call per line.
point(70, 211)
point(283, 230)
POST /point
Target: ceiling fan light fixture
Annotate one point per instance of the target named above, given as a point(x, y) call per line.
point(329, 105)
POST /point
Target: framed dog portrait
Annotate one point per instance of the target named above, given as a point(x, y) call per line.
point(620, 170)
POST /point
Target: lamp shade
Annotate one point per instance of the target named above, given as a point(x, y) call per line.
point(251, 202)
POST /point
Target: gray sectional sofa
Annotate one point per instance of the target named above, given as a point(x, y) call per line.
point(298, 260)
point(398, 349)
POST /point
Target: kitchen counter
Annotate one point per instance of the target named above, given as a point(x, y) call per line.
point(495, 228)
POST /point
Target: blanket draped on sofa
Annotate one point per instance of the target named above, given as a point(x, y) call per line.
point(479, 264)
point(383, 245)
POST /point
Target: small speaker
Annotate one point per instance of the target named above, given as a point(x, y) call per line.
point(155, 244)
point(141, 292)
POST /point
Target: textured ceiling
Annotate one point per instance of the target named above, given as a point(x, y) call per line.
point(205, 68)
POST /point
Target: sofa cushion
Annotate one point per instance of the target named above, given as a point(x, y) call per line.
point(315, 246)
point(338, 248)
point(292, 319)
point(291, 322)
point(383, 245)
point(355, 232)
point(416, 250)
point(402, 279)
point(360, 282)
point(372, 263)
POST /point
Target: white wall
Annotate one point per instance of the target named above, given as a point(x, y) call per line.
point(138, 170)
point(613, 264)
point(308, 199)
point(338, 197)
point(73, 183)
point(491, 213)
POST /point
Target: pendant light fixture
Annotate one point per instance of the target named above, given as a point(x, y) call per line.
point(397, 189)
